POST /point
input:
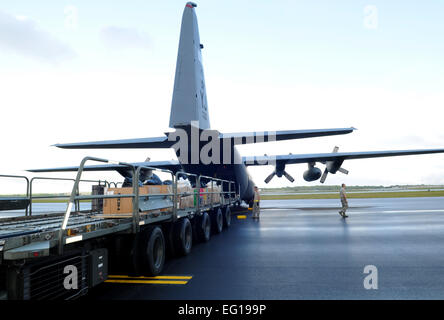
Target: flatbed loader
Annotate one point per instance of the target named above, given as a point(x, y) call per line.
point(62, 255)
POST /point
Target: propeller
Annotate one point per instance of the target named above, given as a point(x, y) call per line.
point(328, 164)
point(279, 171)
point(324, 176)
point(290, 178)
point(271, 176)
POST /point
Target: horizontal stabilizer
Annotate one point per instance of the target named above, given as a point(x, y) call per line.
point(269, 136)
point(158, 142)
point(172, 165)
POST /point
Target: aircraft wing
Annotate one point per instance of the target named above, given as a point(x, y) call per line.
point(323, 157)
point(333, 161)
point(172, 165)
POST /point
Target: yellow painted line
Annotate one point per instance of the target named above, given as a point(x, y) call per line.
point(242, 217)
point(147, 281)
point(250, 208)
point(154, 278)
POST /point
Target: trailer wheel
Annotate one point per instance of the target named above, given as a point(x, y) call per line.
point(217, 221)
point(227, 217)
point(204, 227)
point(183, 234)
point(149, 255)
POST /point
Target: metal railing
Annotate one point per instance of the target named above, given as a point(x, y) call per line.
point(77, 204)
point(135, 173)
point(229, 192)
point(27, 186)
point(198, 193)
point(136, 213)
point(29, 190)
point(75, 197)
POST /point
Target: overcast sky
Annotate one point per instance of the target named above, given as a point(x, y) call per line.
point(77, 70)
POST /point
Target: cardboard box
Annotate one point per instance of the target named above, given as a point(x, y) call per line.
point(214, 196)
point(185, 201)
point(125, 205)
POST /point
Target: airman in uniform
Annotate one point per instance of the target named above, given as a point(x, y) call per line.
point(344, 202)
point(257, 198)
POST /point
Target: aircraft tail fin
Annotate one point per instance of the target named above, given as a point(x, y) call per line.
point(189, 95)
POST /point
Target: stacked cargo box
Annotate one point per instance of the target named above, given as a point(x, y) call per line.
point(187, 197)
point(125, 205)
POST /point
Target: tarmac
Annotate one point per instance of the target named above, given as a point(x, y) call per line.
point(303, 249)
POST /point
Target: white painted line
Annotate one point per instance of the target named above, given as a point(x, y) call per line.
point(423, 210)
point(351, 210)
point(397, 211)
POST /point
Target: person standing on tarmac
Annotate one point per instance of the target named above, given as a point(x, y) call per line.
point(257, 198)
point(344, 202)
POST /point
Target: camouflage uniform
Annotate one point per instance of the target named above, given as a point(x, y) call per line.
point(256, 209)
point(343, 202)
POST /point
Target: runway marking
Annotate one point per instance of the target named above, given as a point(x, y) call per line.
point(399, 211)
point(178, 280)
point(154, 278)
point(424, 210)
point(351, 210)
point(146, 281)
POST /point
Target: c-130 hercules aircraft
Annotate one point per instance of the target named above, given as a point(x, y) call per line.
point(190, 118)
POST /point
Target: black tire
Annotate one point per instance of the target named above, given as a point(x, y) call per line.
point(203, 227)
point(227, 217)
point(183, 237)
point(217, 221)
point(148, 255)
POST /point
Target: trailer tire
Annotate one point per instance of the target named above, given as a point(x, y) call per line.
point(227, 217)
point(203, 227)
point(183, 234)
point(217, 221)
point(149, 252)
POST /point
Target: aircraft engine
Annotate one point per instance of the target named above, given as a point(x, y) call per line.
point(333, 166)
point(312, 173)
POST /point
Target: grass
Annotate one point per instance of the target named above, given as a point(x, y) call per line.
point(405, 194)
